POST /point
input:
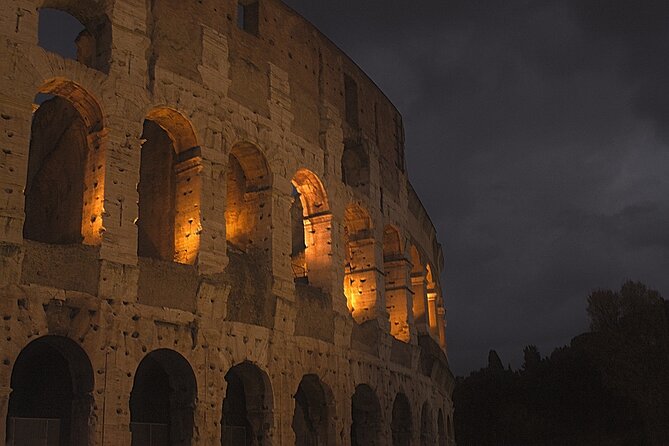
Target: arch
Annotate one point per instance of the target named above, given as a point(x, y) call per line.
point(248, 180)
point(52, 394)
point(92, 45)
point(311, 192)
point(441, 429)
point(311, 222)
point(392, 244)
point(451, 428)
point(247, 407)
point(169, 188)
point(365, 416)
point(64, 191)
point(162, 400)
point(313, 418)
point(419, 288)
point(417, 267)
point(402, 422)
point(427, 437)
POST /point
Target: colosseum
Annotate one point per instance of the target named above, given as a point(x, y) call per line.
point(208, 237)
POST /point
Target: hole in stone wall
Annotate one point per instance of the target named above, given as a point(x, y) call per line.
point(354, 164)
point(248, 16)
point(351, 100)
point(311, 418)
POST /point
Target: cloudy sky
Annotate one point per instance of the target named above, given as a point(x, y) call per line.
point(538, 139)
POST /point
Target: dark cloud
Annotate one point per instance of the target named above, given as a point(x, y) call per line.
point(537, 138)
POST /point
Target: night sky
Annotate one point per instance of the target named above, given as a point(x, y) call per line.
point(537, 138)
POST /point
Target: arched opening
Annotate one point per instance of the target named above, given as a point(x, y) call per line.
point(77, 31)
point(169, 189)
point(451, 429)
point(248, 183)
point(64, 191)
point(360, 271)
point(401, 424)
point(312, 419)
point(310, 256)
point(247, 407)
point(366, 417)
point(399, 294)
point(51, 400)
point(162, 401)
point(355, 164)
point(432, 302)
point(427, 437)
point(441, 429)
point(419, 288)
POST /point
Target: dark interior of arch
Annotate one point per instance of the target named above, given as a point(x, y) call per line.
point(55, 181)
point(441, 430)
point(76, 31)
point(310, 419)
point(355, 164)
point(157, 194)
point(366, 416)
point(246, 408)
point(162, 401)
point(427, 436)
point(51, 380)
point(401, 422)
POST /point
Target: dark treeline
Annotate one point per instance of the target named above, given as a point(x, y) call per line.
point(609, 386)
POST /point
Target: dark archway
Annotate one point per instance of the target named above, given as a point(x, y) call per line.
point(441, 429)
point(52, 395)
point(162, 401)
point(427, 437)
point(169, 189)
point(401, 425)
point(355, 164)
point(312, 419)
point(365, 416)
point(247, 407)
point(63, 194)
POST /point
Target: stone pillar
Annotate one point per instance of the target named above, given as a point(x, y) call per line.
point(362, 279)
point(187, 205)
point(420, 307)
point(4, 406)
point(432, 313)
point(318, 238)
point(441, 326)
point(399, 298)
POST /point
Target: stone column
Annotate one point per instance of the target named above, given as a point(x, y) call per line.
point(362, 278)
point(420, 307)
point(399, 298)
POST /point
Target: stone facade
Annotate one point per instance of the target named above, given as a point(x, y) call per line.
point(208, 236)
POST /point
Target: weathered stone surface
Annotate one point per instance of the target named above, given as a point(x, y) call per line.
point(287, 283)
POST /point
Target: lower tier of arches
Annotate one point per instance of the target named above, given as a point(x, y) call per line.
point(86, 371)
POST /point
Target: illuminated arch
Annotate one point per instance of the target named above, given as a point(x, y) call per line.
point(169, 188)
point(248, 178)
point(65, 179)
point(312, 193)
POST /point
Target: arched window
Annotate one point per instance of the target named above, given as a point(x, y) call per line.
point(51, 400)
point(313, 416)
point(248, 181)
point(366, 417)
point(76, 30)
point(401, 425)
point(162, 401)
point(64, 191)
point(419, 288)
point(360, 267)
point(310, 256)
point(247, 407)
point(169, 189)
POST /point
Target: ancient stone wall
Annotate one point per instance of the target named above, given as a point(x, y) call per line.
point(208, 236)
